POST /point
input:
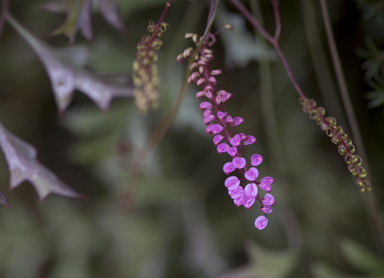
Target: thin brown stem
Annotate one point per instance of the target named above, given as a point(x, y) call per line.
point(275, 6)
point(288, 70)
point(351, 116)
point(160, 131)
point(252, 20)
point(161, 20)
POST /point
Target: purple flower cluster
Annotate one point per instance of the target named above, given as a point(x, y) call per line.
point(227, 140)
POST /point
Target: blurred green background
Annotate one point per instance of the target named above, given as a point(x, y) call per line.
point(178, 221)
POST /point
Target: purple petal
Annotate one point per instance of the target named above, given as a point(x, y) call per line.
point(261, 222)
point(208, 119)
point(218, 99)
point(256, 159)
point(222, 148)
point(205, 105)
point(208, 130)
point(229, 119)
point(251, 174)
point(221, 115)
point(225, 97)
point(228, 168)
point(217, 139)
point(265, 186)
point(195, 76)
point(207, 112)
point(207, 94)
point(232, 151)
point(232, 183)
point(239, 201)
point(242, 136)
point(248, 201)
point(268, 180)
point(200, 94)
point(238, 192)
point(249, 140)
point(268, 199)
point(237, 121)
point(217, 129)
point(239, 162)
point(266, 209)
point(235, 140)
point(251, 189)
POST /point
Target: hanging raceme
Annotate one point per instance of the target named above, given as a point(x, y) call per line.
point(145, 74)
point(227, 139)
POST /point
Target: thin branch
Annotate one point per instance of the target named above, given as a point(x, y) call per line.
point(275, 6)
point(252, 20)
point(351, 116)
point(158, 134)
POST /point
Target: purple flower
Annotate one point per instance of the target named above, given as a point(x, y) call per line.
point(232, 151)
point(208, 119)
point(239, 201)
point(248, 201)
point(251, 189)
point(251, 174)
point(249, 140)
point(221, 115)
point(228, 168)
point(235, 140)
point(256, 159)
point(265, 183)
point(268, 199)
point(217, 139)
point(222, 148)
point(229, 119)
point(237, 121)
point(239, 162)
point(266, 209)
point(216, 129)
point(236, 193)
point(232, 183)
point(261, 222)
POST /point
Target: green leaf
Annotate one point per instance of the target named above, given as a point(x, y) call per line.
point(362, 258)
point(323, 270)
point(265, 263)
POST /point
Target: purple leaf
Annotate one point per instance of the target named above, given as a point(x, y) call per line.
point(23, 166)
point(110, 13)
point(3, 200)
point(66, 76)
point(79, 16)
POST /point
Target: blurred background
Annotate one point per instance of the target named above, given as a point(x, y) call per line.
point(177, 220)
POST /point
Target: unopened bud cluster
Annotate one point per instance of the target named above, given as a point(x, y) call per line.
point(227, 139)
point(145, 74)
point(338, 137)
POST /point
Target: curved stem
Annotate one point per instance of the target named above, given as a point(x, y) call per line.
point(252, 20)
point(288, 70)
point(160, 131)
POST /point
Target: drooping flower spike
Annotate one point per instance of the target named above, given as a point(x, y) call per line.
point(338, 137)
point(227, 140)
point(145, 74)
